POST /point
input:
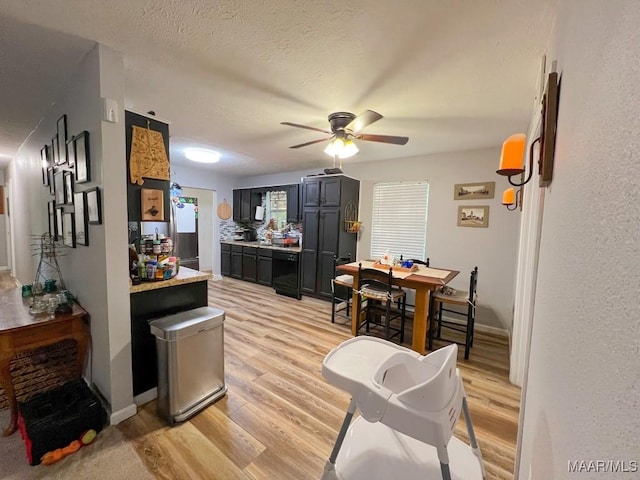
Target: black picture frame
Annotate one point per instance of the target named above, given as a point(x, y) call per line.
point(62, 139)
point(50, 174)
point(83, 163)
point(94, 206)
point(68, 187)
point(59, 223)
point(58, 187)
point(51, 206)
point(71, 152)
point(44, 157)
point(55, 149)
point(69, 229)
point(81, 218)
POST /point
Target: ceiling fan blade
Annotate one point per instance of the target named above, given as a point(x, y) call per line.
point(383, 139)
point(304, 126)
point(365, 118)
point(311, 143)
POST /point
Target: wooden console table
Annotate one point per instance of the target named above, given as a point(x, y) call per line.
point(19, 332)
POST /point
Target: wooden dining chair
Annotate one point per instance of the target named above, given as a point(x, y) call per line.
point(416, 261)
point(462, 304)
point(376, 287)
point(341, 289)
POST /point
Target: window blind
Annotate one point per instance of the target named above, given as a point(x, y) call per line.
point(400, 219)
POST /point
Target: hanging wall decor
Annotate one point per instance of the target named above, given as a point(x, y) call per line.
point(148, 157)
point(152, 203)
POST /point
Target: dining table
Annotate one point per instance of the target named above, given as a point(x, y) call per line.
point(420, 278)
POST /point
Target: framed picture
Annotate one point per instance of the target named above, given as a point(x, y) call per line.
point(59, 223)
point(62, 139)
point(50, 179)
point(44, 156)
point(58, 187)
point(474, 191)
point(94, 206)
point(152, 203)
point(52, 218)
point(68, 187)
point(55, 148)
point(473, 216)
point(81, 218)
point(69, 229)
point(71, 152)
point(82, 160)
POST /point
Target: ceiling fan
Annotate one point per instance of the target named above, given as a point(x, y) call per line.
point(345, 127)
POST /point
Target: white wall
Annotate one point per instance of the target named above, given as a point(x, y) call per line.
point(492, 249)
point(208, 180)
point(95, 274)
point(583, 383)
point(4, 219)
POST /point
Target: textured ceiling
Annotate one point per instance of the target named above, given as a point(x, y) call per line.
point(450, 75)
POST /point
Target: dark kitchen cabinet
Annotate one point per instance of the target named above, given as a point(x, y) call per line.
point(225, 259)
point(245, 205)
point(250, 264)
point(293, 203)
point(236, 261)
point(237, 205)
point(323, 191)
point(245, 201)
point(324, 234)
point(265, 266)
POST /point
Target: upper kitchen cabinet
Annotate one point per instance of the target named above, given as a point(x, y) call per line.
point(245, 202)
point(322, 191)
point(293, 203)
point(324, 233)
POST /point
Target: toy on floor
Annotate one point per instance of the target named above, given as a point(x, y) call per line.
point(59, 453)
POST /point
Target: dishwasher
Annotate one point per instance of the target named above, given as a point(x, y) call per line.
point(286, 274)
point(190, 347)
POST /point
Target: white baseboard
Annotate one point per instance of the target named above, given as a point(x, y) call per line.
point(479, 327)
point(3, 268)
point(216, 277)
point(146, 397)
point(122, 414)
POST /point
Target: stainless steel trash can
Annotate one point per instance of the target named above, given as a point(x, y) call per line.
point(190, 348)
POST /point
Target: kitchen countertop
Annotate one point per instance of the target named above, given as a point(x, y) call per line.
point(257, 244)
point(185, 275)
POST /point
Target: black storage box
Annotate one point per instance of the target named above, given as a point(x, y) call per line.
point(55, 418)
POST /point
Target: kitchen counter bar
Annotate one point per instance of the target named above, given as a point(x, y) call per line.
point(296, 249)
point(185, 275)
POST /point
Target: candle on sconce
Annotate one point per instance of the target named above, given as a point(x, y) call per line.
point(509, 196)
point(512, 158)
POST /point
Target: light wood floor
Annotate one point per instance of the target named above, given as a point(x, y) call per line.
point(280, 418)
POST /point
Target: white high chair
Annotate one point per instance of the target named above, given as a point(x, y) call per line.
point(409, 404)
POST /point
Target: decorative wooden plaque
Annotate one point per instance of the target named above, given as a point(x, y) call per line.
point(152, 202)
point(148, 157)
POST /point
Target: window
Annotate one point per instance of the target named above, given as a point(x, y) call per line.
point(277, 209)
point(400, 219)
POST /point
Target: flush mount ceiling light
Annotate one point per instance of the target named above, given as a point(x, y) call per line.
point(202, 155)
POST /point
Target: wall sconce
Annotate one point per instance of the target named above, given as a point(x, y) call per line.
point(514, 147)
point(512, 198)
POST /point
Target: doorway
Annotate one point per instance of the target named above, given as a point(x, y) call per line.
point(195, 236)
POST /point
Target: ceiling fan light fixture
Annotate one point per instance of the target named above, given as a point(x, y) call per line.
point(202, 155)
point(341, 148)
